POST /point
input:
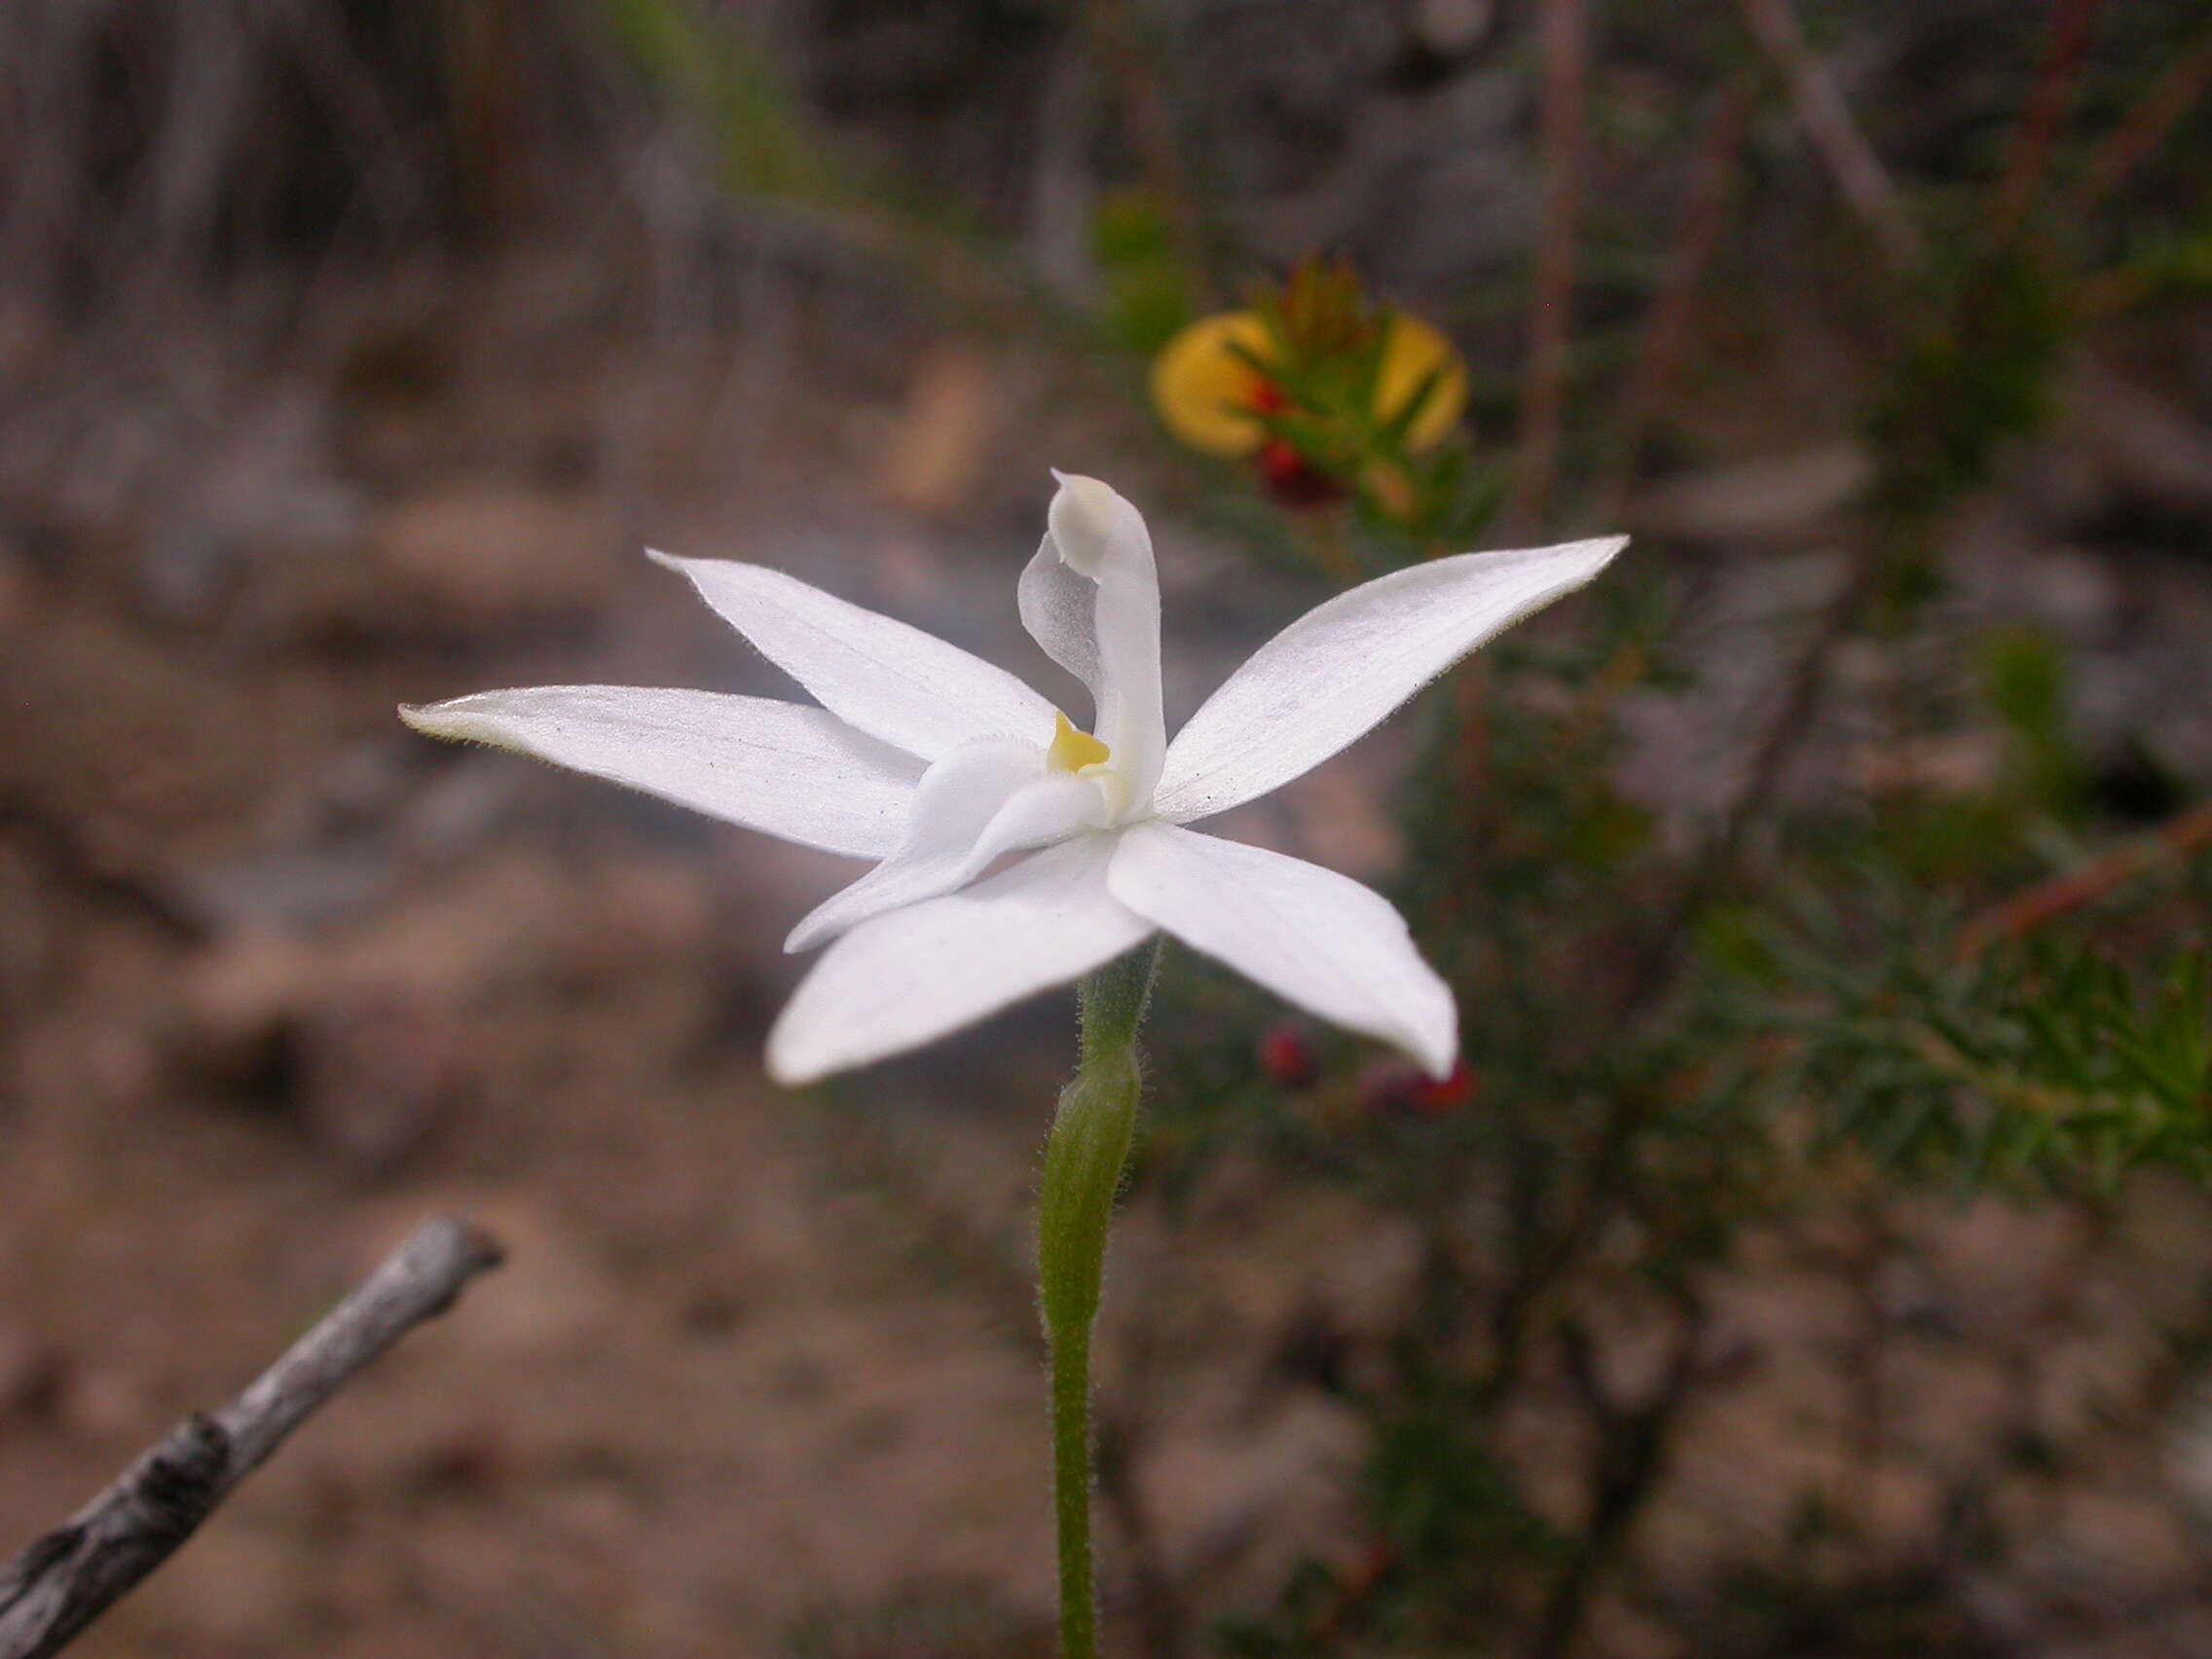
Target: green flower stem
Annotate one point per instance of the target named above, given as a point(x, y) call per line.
point(1092, 1132)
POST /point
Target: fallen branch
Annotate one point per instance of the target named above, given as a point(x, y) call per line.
point(2047, 901)
point(69, 1577)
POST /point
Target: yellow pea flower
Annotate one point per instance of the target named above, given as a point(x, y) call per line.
point(1207, 392)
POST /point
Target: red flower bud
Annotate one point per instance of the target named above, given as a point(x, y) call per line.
point(1286, 1054)
point(1433, 1096)
point(1293, 480)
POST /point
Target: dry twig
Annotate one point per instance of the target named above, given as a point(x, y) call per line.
point(69, 1577)
point(2021, 914)
point(1794, 710)
point(1564, 33)
point(1829, 124)
point(2043, 116)
point(1703, 215)
point(2184, 80)
point(1628, 1460)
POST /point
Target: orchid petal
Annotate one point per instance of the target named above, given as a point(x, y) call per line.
point(1091, 597)
point(1343, 667)
point(917, 974)
point(783, 768)
point(989, 798)
point(911, 689)
point(1313, 937)
point(1051, 810)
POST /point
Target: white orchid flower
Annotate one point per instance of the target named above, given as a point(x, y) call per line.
point(936, 765)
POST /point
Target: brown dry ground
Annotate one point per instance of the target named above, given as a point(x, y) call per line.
point(275, 977)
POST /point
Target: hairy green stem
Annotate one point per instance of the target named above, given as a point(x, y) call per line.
point(1083, 1159)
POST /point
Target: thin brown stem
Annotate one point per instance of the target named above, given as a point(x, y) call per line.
point(1869, 1357)
point(1151, 127)
point(1705, 213)
point(2043, 116)
point(1715, 863)
point(1470, 699)
point(1377, 1558)
point(2052, 901)
point(2143, 128)
point(1563, 35)
point(1627, 1466)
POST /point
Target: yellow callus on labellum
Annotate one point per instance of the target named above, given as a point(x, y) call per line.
point(1207, 391)
point(1073, 749)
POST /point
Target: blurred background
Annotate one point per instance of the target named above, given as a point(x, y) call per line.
point(1813, 1256)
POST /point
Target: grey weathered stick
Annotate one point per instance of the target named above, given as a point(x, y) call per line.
point(1829, 124)
point(69, 1577)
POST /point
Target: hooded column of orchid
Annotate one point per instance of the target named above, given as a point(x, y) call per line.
point(937, 767)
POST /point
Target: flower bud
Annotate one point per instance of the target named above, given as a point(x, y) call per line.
point(1286, 1054)
point(1293, 480)
point(1434, 1096)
